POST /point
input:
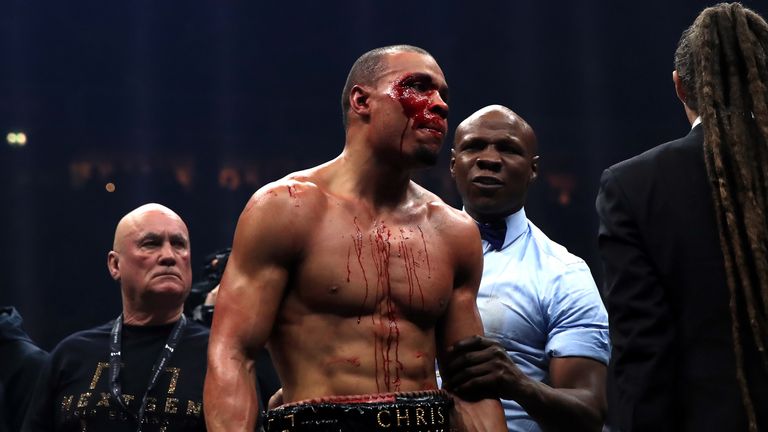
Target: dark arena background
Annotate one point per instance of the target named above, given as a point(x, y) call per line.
point(108, 105)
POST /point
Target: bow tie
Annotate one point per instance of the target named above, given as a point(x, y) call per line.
point(494, 233)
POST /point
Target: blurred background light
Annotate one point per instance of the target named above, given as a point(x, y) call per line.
point(16, 139)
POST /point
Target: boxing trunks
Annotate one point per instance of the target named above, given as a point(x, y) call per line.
point(422, 411)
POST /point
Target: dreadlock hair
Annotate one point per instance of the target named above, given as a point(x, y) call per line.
point(721, 61)
point(367, 69)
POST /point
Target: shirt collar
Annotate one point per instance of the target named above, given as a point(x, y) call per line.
point(517, 224)
point(696, 122)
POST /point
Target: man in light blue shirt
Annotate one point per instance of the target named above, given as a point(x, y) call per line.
point(546, 346)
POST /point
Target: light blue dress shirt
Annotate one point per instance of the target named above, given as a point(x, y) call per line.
point(539, 301)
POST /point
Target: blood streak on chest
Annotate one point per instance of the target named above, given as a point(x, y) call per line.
point(357, 244)
point(381, 250)
point(410, 263)
point(426, 253)
point(384, 318)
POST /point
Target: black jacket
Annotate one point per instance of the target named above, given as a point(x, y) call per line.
point(20, 364)
point(673, 358)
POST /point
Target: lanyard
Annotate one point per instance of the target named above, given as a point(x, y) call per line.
point(115, 357)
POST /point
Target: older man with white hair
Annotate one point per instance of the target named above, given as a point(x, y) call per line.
point(145, 369)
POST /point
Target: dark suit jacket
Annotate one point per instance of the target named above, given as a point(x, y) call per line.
point(20, 364)
point(673, 358)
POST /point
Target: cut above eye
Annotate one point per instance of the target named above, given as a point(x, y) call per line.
point(417, 84)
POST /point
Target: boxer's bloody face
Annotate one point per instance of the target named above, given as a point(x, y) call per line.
point(409, 107)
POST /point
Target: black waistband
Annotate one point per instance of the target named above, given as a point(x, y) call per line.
point(426, 411)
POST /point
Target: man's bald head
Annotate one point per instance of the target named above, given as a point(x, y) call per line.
point(130, 221)
point(498, 116)
point(151, 260)
point(494, 161)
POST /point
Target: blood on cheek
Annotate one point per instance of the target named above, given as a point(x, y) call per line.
point(415, 105)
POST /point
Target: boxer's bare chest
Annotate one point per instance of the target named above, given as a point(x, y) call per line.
point(382, 264)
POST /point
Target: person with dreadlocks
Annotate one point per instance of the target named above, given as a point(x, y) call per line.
point(683, 236)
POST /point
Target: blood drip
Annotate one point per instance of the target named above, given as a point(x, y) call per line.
point(357, 243)
point(426, 254)
point(349, 270)
point(412, 276)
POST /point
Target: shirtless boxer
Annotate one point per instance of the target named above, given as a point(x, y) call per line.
point(354, 276)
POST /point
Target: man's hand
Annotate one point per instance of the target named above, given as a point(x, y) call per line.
point(276, 399)
point(479, 367)
point(210, 299)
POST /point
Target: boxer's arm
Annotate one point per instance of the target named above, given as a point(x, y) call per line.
point(247, 305)
point(461, 320)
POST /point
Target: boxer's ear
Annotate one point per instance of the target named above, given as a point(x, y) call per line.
point(359, 100)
